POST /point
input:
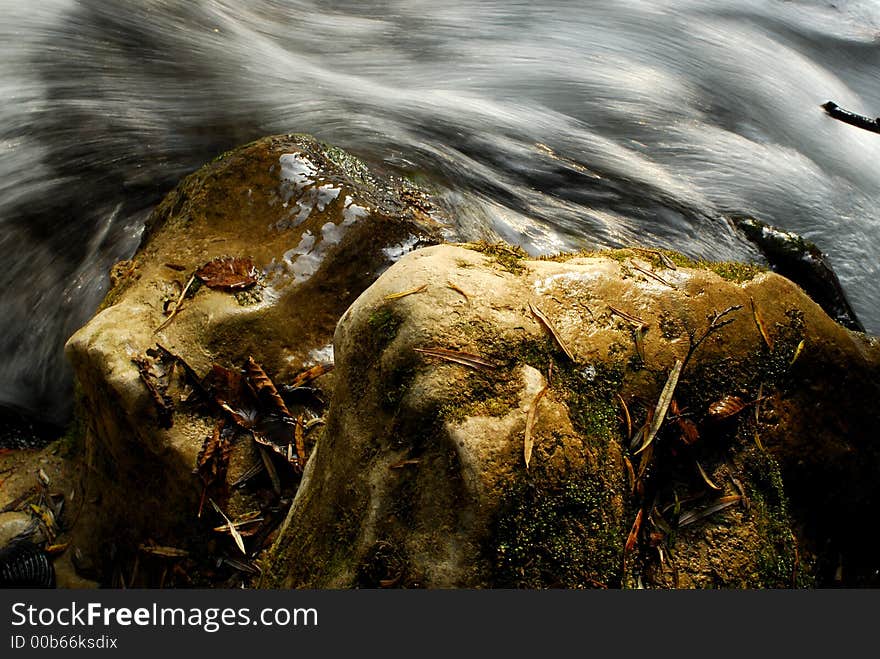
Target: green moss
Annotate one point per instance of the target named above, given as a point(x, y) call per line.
point(351, 165)
point(733, 271)
point(591, 394)
point(384, 325)
point(558, 536)
point(778, 562)
point(483, 394)
point(509, 257)
point(729, 270)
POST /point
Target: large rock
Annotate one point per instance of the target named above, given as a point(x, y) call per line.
point(318, 227)
point(420, 477)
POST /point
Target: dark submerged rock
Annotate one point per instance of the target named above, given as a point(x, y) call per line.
point(802, 262)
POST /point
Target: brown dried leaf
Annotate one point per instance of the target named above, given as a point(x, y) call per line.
point(164, 552)
point(463, 358)
point(264, 388)
point(56, 550)
point(229, 273)
point(632, 320)
point(742, 491)
point(299, 439)
point(405, 463)
point(648, 273)
point(631, 474)
point(665, 260)
point(647, 459)
point(458, 290)
point(163, 402)
point(549, 325)
point(245, 520)
point(223, 385)
point(726, 407)
point(690, 434)
point(310, 374)
point(528, 443)
point(212, 463)
point(626, 417)
point(633, 533)
point(759, 321)
point(639, 340)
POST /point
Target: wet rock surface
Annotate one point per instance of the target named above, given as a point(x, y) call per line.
point(617, 419)
point(754, 473)
point(309, 227)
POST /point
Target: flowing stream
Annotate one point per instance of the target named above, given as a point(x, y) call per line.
point(554, 125)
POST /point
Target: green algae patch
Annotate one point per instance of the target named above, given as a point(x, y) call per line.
point(562, 535)
point(733, 271)
point(509, 257)
point(482, 394)
point(779, 563)
point(384, 325)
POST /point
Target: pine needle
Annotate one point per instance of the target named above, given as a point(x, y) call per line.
point(540, 315)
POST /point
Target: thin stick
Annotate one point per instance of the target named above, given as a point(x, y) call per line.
point(177, 305)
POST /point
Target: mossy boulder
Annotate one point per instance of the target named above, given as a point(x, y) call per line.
point(761, 473)
point(318, 228)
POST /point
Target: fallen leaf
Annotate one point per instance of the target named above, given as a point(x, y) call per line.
point(797, 352)
point(632, 320)
point(164, 552)
point(55, 550)
point(633, 533)
point(626, 417)
point(759, 321)
point(662, 404)
point(310, 374)
point(530, 423)
point(458, 290)
point(230, 273)
point(411, 291)
point(235, 534)
point(652, 275)
point(212, 462)
point(264, 388)
point(463, 358)
point(727, 407)
point(691, 516)
point(549, 325)
point(299, 440)
point(405, 463)
point(270, 467)
point(706, 478)
point(157, 389)
point(631, 474)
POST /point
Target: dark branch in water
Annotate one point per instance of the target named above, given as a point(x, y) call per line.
point(848, 117)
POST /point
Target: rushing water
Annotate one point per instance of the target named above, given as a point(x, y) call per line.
point(551, 124)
